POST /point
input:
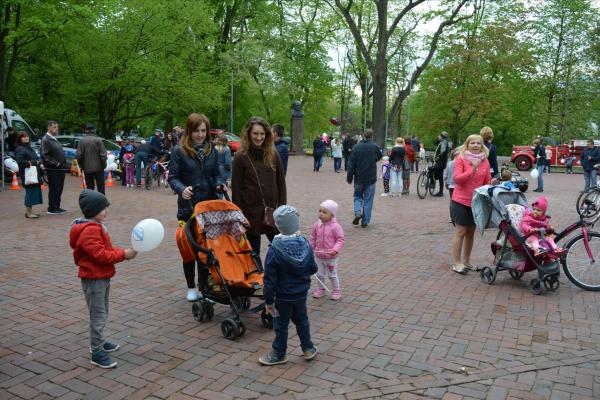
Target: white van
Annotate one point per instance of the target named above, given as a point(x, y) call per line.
point(17, 123)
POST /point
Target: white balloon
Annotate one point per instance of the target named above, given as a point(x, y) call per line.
point(147, 235)
point(110, 158)
point(11, 164)
point(112, 167)
point(534, 173)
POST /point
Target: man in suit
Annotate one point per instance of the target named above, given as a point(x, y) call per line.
point(55, 164)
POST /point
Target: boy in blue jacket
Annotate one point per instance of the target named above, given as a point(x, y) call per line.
point(289, 265)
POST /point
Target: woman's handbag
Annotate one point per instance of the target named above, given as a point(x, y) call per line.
point(31, 176)
point(267, 219)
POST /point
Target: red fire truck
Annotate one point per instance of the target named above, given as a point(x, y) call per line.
point(523, 157)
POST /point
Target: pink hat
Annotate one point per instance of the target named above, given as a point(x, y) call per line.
point(330, 206)
point(541, 203)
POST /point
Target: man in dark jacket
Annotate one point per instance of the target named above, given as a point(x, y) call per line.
point(53, 157)
point(143, 155)
point(539, 152)
point(589, 158)
point(362, 168)
point(440, 159)
point(288, 268)
point(347, 144)
point(416, 145)
point(91, 156)
point(281, 145)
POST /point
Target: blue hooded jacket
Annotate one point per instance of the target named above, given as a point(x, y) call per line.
point(289, 265)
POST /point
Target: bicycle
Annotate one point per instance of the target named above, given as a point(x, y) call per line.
point(588, 204)
point(425, 182)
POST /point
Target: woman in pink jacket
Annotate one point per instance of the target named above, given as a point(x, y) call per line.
point(471, 170)
point(327, 239)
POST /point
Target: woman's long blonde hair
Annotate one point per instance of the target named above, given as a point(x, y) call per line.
point(191, 124)
point(465, 146)
point(268, 147)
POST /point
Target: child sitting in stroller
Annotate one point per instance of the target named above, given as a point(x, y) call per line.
point(536, 223)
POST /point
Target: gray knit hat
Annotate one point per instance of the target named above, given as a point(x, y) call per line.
point(287, 219)
point(92, 203)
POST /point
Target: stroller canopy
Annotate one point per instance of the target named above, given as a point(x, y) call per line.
point(489, 205)
point(218, 217)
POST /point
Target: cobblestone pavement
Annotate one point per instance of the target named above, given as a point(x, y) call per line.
point(404, 328)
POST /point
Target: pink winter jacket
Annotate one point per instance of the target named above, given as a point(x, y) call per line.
point(326, 237)
point(466, 180)
point(529, 222)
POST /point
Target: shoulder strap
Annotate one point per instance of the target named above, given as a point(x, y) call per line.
point(258, 179)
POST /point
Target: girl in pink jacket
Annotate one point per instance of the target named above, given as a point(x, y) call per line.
point(327, 239)
point(534, 222)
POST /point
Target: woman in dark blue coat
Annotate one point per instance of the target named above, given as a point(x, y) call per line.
point(195, 174)
point(26, 157)
point(318, 151)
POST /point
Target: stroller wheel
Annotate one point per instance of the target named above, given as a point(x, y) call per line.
point(488, 275)
point(210, 311)
point(266, 319)
point(536, 286)
point(515, 274)
point(242, 329)
point(230, 329)
point(199, 311)
point(551, 282)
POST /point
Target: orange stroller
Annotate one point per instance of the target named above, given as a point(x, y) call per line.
point(233, 273)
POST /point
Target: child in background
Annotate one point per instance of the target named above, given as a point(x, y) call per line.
point(96, 257)
point(534, 223)
point(327, 239)
point(569, 164)
point(129, 161)
point(385, 174)
point(506, 179)
point(289, 265)
point(449, 175)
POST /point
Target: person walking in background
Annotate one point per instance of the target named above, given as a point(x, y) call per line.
point(318, 151)
point(281, 145)
point(589, 158)
point(397, 156)
point(362, 170)
point(258, 181)
point(91, 156)
point(488, 135)
point(347, 144)
point(416, 145)
point(471, 170)
point(55, 164)
point(26, 158)
point(548, 159)
point(410, 158)
point(540, 163)
point(225, 160)
point(142, 156)
point(336, 153)
point(440, 159)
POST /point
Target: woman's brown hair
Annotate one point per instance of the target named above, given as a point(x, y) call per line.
point(20, 136)
point(267, 147)
point(191, 124)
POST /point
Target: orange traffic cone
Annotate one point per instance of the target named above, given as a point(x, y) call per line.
point(109, 181)
point(83, 185)
point(14, 185)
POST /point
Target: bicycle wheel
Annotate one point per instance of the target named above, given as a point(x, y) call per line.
point(157, 177)
point(431, 186)
point(148, 177)
point(422, 185)
point(588, 203)
point(577, 265)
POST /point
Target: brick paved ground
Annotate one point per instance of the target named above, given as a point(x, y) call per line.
point(404, 328)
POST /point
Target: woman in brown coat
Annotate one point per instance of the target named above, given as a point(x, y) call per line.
point(258, 179)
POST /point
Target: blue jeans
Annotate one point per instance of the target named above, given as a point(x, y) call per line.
point(337, 164)
point(296, 311)
point(590, 179)
point(139, 157)
point(96, 297)
point(363, 201)
point(540, 179)
point(318, 161)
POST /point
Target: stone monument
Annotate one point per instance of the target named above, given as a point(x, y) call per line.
point(297, 128)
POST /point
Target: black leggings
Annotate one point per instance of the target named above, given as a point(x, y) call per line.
point(190, 274)
point(255, 241)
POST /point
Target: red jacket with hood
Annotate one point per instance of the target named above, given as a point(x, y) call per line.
point(93, 251)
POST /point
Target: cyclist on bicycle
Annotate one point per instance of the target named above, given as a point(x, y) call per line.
point(142, 155)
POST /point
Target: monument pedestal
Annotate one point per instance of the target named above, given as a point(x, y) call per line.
point(297, 136)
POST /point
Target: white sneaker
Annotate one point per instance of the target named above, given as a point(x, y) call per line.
point(192, 295)
point(384, 195)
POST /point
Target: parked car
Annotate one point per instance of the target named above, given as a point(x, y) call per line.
point(233, 140)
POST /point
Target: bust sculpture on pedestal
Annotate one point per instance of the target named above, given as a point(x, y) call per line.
point(297, 128)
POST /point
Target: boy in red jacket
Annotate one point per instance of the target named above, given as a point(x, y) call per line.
point(96, 257)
